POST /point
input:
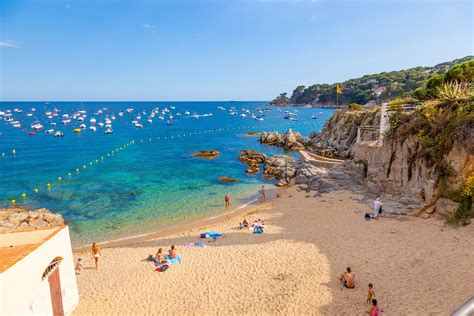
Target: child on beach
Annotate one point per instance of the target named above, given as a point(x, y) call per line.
point(262, 194)
point(370, 293)
point(79, 266)
point(374, 309)
point(227, 200)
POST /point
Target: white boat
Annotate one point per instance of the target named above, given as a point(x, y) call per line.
point(82, 126)
point(66, 122)
point(37, 126)
point(16, 125)
point(93, 128)
point(108, 131)
point(187, 113)
point(100, 124)
point(150, 121)
point(138, 125)
point(29, 114)
point(243, 115)
point(169, 122)
point(120, 113)
point(58, 134)
point(49, 131)
point(53, 124)
point(92, 120)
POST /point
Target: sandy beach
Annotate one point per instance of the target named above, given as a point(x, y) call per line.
point(417, 266)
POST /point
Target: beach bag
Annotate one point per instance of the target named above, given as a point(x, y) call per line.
point(380, 211)
point(203, 236)
point(162, 268)
point(367, 216)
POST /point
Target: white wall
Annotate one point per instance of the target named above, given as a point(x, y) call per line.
point(23, 292)
point(383, 122)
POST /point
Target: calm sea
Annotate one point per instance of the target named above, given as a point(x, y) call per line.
point(135, 180)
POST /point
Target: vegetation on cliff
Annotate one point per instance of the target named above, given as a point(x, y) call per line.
point(444, 118)
point(382, 86)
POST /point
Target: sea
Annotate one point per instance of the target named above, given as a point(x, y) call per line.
point(142, 177)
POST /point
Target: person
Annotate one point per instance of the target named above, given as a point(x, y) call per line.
point(79, 266)
point(96, 254)
point(245, 223)
point(227, 200)
point(172, 252)
point(377, 207)
point(374, 309)
point(370, 293)
point(348, 279)
point(160, 257)
point(262, 194)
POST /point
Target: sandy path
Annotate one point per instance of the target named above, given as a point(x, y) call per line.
point(416, 266)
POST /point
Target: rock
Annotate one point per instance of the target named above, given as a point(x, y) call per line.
point(289, 141)
point(226, 179)
point(253, 134)
point(445, 206)
point(15, 219)
point(207, 154)
point(425, 215)
point(252, 159)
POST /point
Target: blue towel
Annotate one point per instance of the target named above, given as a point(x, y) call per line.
point(213, 235)
point(173, 261)
point(200, 245)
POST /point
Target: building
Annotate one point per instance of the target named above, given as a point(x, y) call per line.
point(37, 274)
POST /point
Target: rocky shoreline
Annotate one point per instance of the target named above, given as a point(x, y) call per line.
point(14, 219)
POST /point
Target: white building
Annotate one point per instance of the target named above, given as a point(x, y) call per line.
point(37, 274)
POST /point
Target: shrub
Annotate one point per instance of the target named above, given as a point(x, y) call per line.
point(356, 107)
point(419, 93)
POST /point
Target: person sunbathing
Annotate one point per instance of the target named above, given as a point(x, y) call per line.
point(348, 279)
point(172, 252)
point(160, 257)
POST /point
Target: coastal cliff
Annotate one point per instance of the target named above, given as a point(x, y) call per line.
point(339, 135)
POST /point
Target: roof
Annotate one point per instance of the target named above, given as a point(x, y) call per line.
point(17, 245)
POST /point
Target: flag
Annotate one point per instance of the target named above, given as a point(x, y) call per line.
point(338, 89)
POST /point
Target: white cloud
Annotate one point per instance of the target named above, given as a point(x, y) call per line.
point(9, 43)
point(147, 26)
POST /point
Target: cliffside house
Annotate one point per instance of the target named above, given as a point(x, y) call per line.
point(37, 274)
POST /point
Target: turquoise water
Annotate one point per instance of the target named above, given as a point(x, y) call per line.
point(153, 181)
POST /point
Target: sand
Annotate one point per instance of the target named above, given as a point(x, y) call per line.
point(417, 266)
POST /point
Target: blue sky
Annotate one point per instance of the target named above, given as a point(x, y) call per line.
point(216, 50)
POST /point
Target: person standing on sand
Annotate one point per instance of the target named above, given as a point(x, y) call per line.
point(348, 279)
point(377, 207)
point(374, 309)
point(227, 200)
point(96, 254)
point(370, 293)
point(262, 194)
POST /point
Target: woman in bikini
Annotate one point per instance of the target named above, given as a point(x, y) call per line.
point(96, 254)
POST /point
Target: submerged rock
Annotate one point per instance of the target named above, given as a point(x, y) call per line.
point(226, 179)
point(252, 159)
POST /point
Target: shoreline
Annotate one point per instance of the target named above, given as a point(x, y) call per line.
point(241, 210)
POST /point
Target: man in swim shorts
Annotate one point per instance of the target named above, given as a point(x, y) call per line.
point(348, 279)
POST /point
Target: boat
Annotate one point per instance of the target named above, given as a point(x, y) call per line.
point(93, 128)
point(36, 126)
point(53, 124)
point(92, 120)
point(82, 126)
point(313, 117)
point(31, 133)
point(169, 122)
point(49, 131)
point(58, 134)
point(108, 131)
point(77, 130)
point(101, 124)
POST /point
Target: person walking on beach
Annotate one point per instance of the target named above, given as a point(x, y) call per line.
point(374, 309)
point(227, 200)
point(96, 254)
point(262, 194)
point(348, 279)
point(377, 207)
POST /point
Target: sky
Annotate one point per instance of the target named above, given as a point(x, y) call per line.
point(216, 49)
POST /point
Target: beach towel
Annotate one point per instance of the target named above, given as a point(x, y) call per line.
point(173, 261)
point(258, 231)
point(200, 245)
point(189, 244)
point(162, 268)
point(213, 235)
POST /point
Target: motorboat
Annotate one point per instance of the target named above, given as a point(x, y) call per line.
point(58, 134)
point(108, 131)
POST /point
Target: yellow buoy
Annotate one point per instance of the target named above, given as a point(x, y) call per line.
point(3, 154)
point(69, 174)
point(23, 195)
point(77, 170)
point(102, 158)
point(59, 178)
point(96, 161)
point(84, 167)
point(108, 155)
point(13, 201)
point(90, 163)
point(36, 190)
point(14, 151)
point(49, 186)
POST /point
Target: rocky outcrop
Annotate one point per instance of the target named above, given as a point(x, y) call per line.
point(207, 154)
point(252, 159)
point(17, 219)
point(289, 141)
point(226, 179)
point(339, 135)
point(282, 168)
